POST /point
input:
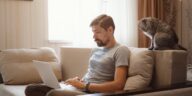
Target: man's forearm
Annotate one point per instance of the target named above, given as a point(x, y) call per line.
point(106, 87)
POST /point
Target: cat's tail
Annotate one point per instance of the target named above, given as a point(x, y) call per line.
point(179, 47)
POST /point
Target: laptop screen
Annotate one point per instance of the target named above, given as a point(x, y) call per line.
point(46, 73)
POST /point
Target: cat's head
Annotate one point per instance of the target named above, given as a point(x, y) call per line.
point(163, 27)
point(148, 24)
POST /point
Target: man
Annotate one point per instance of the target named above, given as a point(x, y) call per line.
point(108, 64)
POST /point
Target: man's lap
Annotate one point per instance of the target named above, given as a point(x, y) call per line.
point(43, 90)
point(62, 92)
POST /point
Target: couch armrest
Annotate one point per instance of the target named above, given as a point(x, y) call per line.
point(170, 68)
point(173, 90)
point(74, 61)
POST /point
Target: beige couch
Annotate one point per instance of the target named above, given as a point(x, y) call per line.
point(163, 68)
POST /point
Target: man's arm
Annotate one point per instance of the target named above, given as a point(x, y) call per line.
point(111, 86)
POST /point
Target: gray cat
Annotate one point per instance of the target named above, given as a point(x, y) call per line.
point(161, 34)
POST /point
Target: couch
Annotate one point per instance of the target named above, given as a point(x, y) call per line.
point(147, 69)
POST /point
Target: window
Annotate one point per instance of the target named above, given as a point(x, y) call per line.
point(68, 20)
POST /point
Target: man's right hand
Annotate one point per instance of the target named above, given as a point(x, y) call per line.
point(76, 82)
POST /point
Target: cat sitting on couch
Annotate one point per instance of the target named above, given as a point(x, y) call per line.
point(162, 36)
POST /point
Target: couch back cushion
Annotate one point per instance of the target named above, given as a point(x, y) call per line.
point(74, 61)
point(16, 65)
point(140, 68)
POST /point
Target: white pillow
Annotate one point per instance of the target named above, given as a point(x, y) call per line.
point(140, 68)
point(16, 65)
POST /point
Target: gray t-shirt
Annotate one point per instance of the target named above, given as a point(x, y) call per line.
point(103, 62)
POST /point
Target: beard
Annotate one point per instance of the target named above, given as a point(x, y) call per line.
point(100, 43)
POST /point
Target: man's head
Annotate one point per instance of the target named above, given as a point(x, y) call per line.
point(103, 28)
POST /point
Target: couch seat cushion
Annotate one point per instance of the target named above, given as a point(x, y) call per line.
point(12, 90)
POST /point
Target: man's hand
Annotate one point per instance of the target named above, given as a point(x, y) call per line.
point(76, 82)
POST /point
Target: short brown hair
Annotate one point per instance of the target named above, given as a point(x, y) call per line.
point(104, 21)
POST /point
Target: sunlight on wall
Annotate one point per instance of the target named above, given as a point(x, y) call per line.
point(69, 20)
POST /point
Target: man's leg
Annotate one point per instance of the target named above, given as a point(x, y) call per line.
point(37, 90)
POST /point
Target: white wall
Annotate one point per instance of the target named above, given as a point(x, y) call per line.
point(23, 24)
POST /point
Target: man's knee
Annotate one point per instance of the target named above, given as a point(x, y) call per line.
point(53, 93)
point(37, 90)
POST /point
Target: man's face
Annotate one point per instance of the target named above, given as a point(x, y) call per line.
point(100, 35)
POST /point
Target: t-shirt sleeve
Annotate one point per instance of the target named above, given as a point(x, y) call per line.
point(122, 56)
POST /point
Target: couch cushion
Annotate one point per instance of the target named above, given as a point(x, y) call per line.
point(16, 65)
point(12, 90)
point(140, 69)
point(74, 61)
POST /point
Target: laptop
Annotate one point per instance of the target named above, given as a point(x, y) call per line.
point(46, 73)
point(48, 77)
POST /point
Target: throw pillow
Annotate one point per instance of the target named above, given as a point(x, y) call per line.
point(140, 68)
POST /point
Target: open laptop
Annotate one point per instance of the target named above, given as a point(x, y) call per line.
point(48, 77)
point(46, 73)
